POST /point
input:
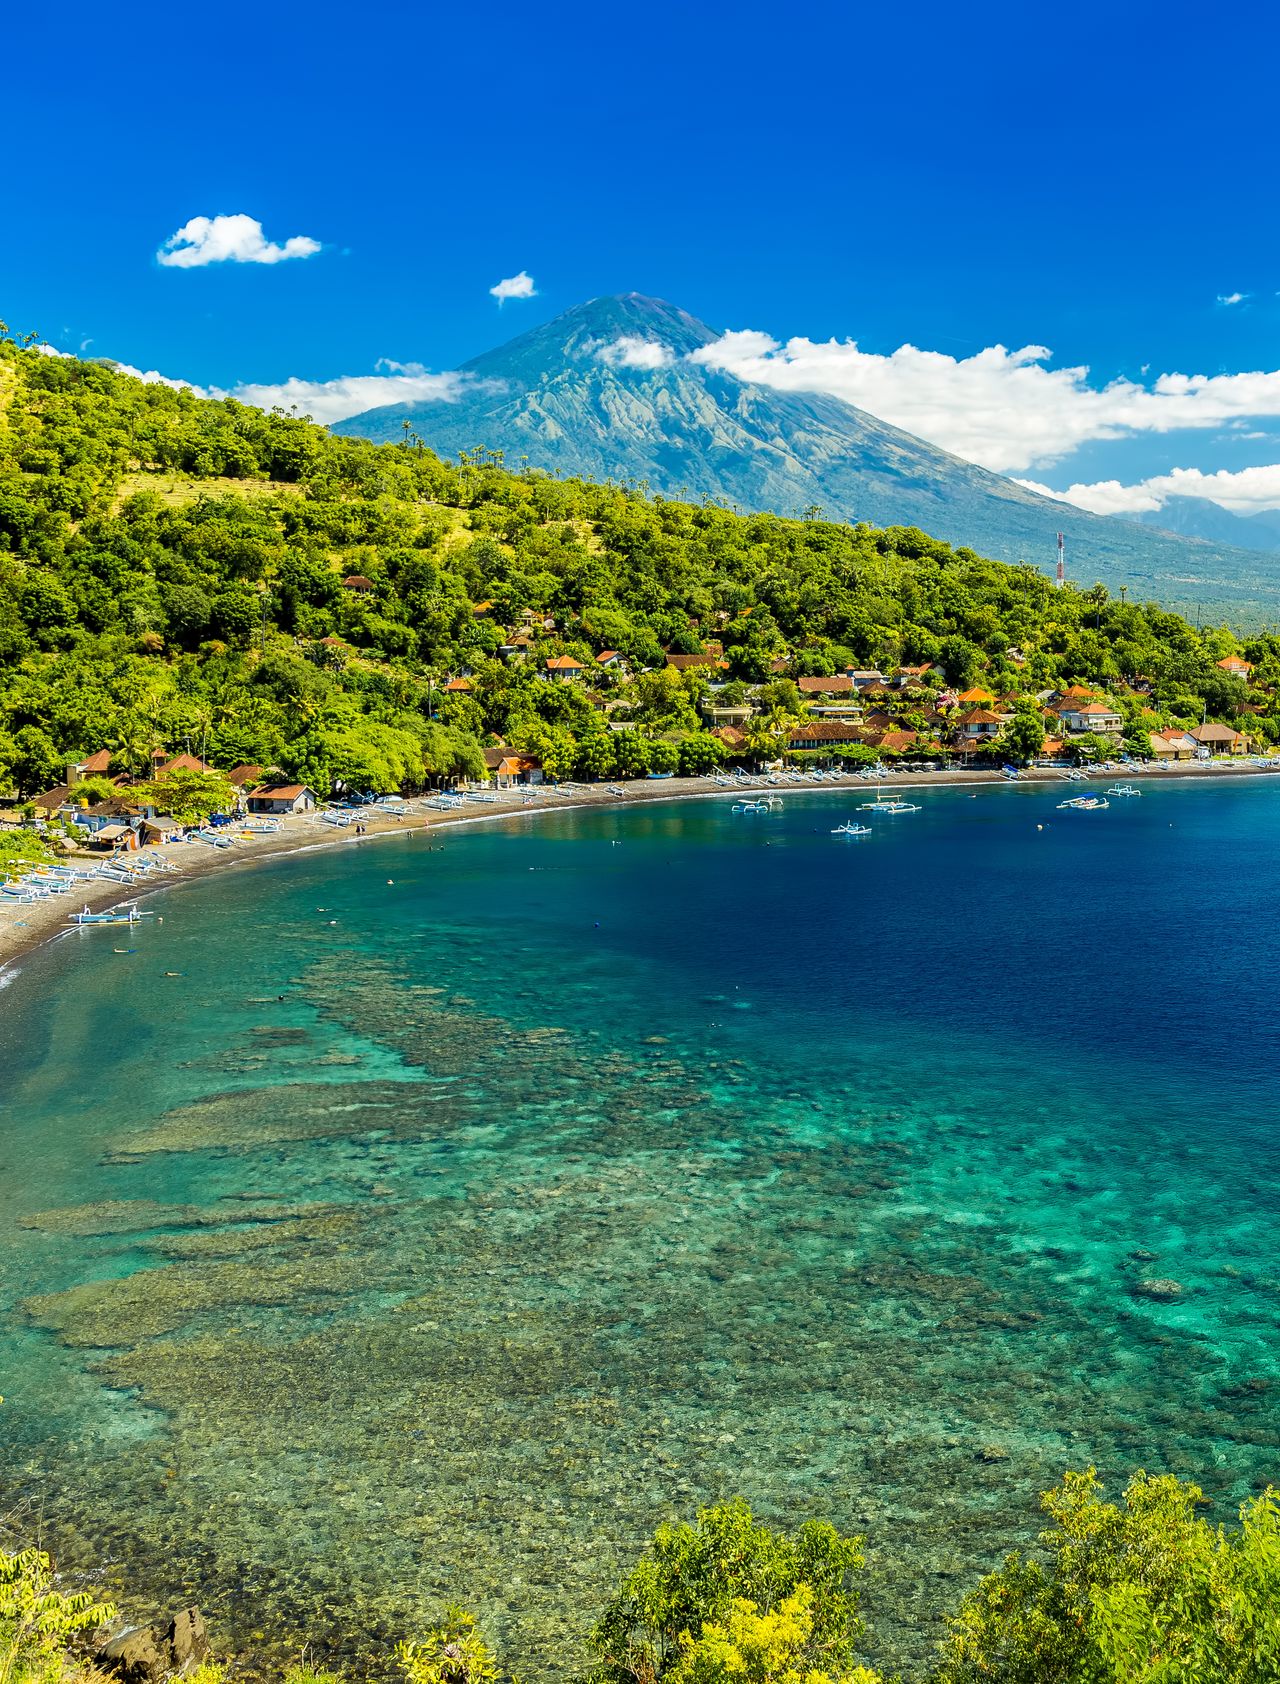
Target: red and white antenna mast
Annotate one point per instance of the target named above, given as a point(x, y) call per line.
point(1062, 564)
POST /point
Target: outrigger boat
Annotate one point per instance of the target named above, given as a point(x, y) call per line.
point(1123, 789)
point(888, 806)
point(1085, 803)
point(118, 915)
point(852, 829)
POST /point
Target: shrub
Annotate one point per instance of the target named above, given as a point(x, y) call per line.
point(692, 1575)
point(453, 1653)
point(749, 1647)
point(37, 1622)
point(1147, 1593)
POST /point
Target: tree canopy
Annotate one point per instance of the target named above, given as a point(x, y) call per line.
point(179, 572)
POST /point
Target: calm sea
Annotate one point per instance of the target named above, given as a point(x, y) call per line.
point(464, 1206)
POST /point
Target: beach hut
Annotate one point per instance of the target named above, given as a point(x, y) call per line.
point(282, 798)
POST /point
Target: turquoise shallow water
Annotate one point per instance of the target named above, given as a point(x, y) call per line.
point(600, 1164)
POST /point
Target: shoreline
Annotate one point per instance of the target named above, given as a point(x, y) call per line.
point(45, 922)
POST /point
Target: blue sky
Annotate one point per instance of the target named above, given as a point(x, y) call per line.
point(1093, 182)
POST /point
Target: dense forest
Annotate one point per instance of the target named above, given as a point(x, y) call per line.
point(181, 573)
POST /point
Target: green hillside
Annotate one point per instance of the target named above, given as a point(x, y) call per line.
point(614, 389)
point(172, 575)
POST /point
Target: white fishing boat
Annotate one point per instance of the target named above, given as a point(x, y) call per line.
point(1123, 789)
point(852, 829)
point(888, 805)
point(116, 915)
point(1085, 803)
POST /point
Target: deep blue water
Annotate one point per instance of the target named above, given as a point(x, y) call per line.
point(594, 1165)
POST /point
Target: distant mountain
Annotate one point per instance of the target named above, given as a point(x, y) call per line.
point(608, 391)
point(1198, 517)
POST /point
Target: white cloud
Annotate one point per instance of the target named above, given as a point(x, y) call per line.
point(334, 400)
point(325, 401)
point(630, 351)
point(1245, 491)
point(1232, 297)
point(228, 239)
point(1004, 409)
point(515, 286)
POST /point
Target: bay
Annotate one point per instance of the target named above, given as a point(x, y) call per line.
point(464, 1205)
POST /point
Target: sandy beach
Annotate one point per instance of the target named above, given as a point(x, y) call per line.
point(26, 927)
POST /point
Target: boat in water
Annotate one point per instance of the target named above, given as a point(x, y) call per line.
point(1085, 803)
point(117, 915)
point(852, 829)
point(1123, 789)
point(888, 806)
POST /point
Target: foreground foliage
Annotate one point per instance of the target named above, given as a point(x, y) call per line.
point(1141, 1592)
point(37, 1621)
point(710, 1572)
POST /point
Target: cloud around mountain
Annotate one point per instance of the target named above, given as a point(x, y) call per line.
point(1005, 410)
point(1243, 491)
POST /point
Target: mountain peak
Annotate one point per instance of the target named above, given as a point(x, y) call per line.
point(608, 330)
point(608, 390)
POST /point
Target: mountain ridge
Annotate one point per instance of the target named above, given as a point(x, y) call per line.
point(1201, 517)
point(614, 389)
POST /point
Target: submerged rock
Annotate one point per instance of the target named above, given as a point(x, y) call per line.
point(1160, 1289)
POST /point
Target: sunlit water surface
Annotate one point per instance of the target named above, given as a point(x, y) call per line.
point(465, 1206)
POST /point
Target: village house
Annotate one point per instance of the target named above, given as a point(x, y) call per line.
point(118, 836)
point(691, 663)
point(839, 684)
point(725, 713)
point(507, 767)
point(981, 725)
point(517, 647)
point(1237, 667)
point(562, 668)
point(849, 710)
point(281, 798)
point(1219, 739)
point(733, 739)
point(50, 801)
point(182, 763)
point(1099, 717)
point(358, 583)
point(864, 676)
point(244, 777)
point(96, 766)
point(975, 697)
point(907, 676)
point(609, 660)
point(823, 733)
point(1173, 744)
point(458, 686)
point(894, 742)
